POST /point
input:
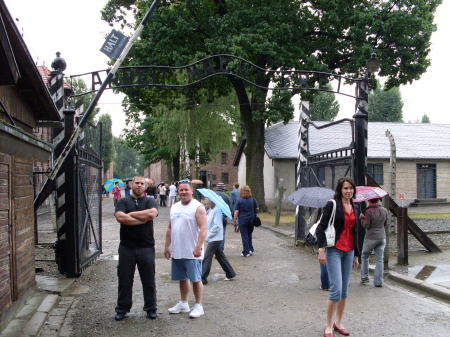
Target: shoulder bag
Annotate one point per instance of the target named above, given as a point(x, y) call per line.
point(330, 232)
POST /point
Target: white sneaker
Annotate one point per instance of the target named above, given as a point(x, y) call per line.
point(180, 307)
point(197, 311)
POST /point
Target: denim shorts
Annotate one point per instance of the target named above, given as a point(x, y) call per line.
point(187, 269)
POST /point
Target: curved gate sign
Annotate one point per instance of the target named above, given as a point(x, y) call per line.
point(221, 64)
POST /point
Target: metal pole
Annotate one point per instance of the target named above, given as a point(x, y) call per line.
point(361, 127)
point(67, 233)
point(402, 236)
point(303, 151)
point(48, 186)
point(281, 190)
point(361, 134)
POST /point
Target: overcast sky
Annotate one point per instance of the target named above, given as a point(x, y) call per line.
point(76, 30)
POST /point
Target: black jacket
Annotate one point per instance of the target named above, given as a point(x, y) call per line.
point(339, 226)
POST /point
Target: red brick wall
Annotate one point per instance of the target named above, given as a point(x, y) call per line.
point(216, 168)
point(5, 283)
point(157, 171)
point(23, 223)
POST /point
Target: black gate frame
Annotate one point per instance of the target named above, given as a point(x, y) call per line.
point(79, 240)
point(88, 160)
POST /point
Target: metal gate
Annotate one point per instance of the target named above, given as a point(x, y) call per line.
point(326, 153)
point(88, 164)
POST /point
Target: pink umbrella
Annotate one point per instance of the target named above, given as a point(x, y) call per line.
point(364, 193)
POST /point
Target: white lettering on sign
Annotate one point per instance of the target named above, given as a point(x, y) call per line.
point(111, 43)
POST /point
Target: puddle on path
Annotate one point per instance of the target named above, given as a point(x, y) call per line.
point(437, 274)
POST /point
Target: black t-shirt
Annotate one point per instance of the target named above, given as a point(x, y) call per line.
point(140, 236)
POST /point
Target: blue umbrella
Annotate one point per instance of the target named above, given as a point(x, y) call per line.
point(315, 197)
point(217, 199)
point(109, 184)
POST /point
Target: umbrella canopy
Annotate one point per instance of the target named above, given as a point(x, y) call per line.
point(217, 199)
point(315, 197)
point(109, 184)
point(364, 193)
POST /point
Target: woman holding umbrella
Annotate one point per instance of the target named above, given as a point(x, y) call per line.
point(214, 239)
point(340, 257)
point(374, 220)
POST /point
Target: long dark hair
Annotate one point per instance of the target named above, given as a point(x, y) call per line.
point(340, 183)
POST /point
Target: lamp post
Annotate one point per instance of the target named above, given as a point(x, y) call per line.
point(361, 122)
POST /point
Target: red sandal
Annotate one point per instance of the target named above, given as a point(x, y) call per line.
point(329, 334)
point(343, 332)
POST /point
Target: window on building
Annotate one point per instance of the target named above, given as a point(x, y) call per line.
point(224, 158)
point(376, 172)
point(225, 178)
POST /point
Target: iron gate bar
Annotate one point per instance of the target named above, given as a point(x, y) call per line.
point(328, 155)
point(87, 211)
point(214, 65)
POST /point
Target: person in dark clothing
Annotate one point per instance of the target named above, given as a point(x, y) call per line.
point(244, 215)
point(151, 190)
point(135, 214)
point(220, 190)
point(127, 189)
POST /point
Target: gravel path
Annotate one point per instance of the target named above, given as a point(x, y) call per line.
point(276, 294)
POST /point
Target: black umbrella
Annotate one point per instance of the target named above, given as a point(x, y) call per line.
point(315, 197)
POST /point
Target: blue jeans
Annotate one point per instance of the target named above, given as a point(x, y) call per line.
point(246, 236)
point(339, 267)
point(368, 246)
point(324, 280)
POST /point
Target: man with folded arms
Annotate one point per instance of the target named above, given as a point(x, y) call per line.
point(135, 213)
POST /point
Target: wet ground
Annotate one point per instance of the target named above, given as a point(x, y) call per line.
point(276, 293)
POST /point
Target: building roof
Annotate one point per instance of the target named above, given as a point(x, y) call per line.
point(413, 141)
point(29, 80)
point(45, 74)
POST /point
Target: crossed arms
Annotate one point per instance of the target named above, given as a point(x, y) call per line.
point(136, 218)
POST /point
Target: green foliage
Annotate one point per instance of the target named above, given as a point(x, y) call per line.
point(425, 119)
point(127, 162)
point(157, 131)
point(385, 105)
point(107, 140)
point(324, 106)
point(324, 35)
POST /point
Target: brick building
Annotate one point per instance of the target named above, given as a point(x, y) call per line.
point(24, 100)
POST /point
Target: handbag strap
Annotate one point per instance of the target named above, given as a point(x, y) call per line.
point(333, 213)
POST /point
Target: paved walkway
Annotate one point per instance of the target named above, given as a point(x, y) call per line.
point(276, 293)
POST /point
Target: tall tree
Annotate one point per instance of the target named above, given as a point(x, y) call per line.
point(107, 140)
point(385, 105)
point(336, 36)
point(158, 131)
point(127, 162)
point(425, 119)
point(324, 106)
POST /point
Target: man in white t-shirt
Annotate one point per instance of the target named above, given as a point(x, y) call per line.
point(185, 237)
point(172, 194)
